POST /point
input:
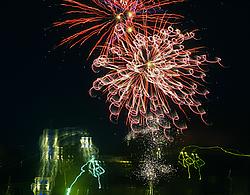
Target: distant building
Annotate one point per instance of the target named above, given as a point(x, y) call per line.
point(41, 186)
point(62, 151)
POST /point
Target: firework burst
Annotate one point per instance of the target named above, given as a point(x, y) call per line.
point(153, 131)
point(152, 170)
point(100, 17)
point(153, 77)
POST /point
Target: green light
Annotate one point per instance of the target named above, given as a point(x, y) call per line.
point(94, 168)
point(187, 160)
point(151, 188)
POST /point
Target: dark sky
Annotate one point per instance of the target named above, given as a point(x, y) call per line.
point(44, 87)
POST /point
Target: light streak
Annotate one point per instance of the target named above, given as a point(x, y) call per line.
point(99, 18)
point(94, 168)
point(49, 155)
point(188, 157)
point(153, 77)
point(188, 161)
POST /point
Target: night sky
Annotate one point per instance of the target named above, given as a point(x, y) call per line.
point(43, 87)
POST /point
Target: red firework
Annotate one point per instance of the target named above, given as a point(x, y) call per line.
point(100, 17)
point(155, 78)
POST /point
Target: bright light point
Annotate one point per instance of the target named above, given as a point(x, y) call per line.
point(130, 14)
point(129, 29)
point(68, 191)
point(118, 16)
point(150, 64)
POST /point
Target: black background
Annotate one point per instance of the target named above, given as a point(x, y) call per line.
point(43, 87)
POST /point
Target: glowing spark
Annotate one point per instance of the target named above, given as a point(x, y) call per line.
point(152, 170)
point(118, 16)
point(130, 14)
point(150, 65)
point(129, 29)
